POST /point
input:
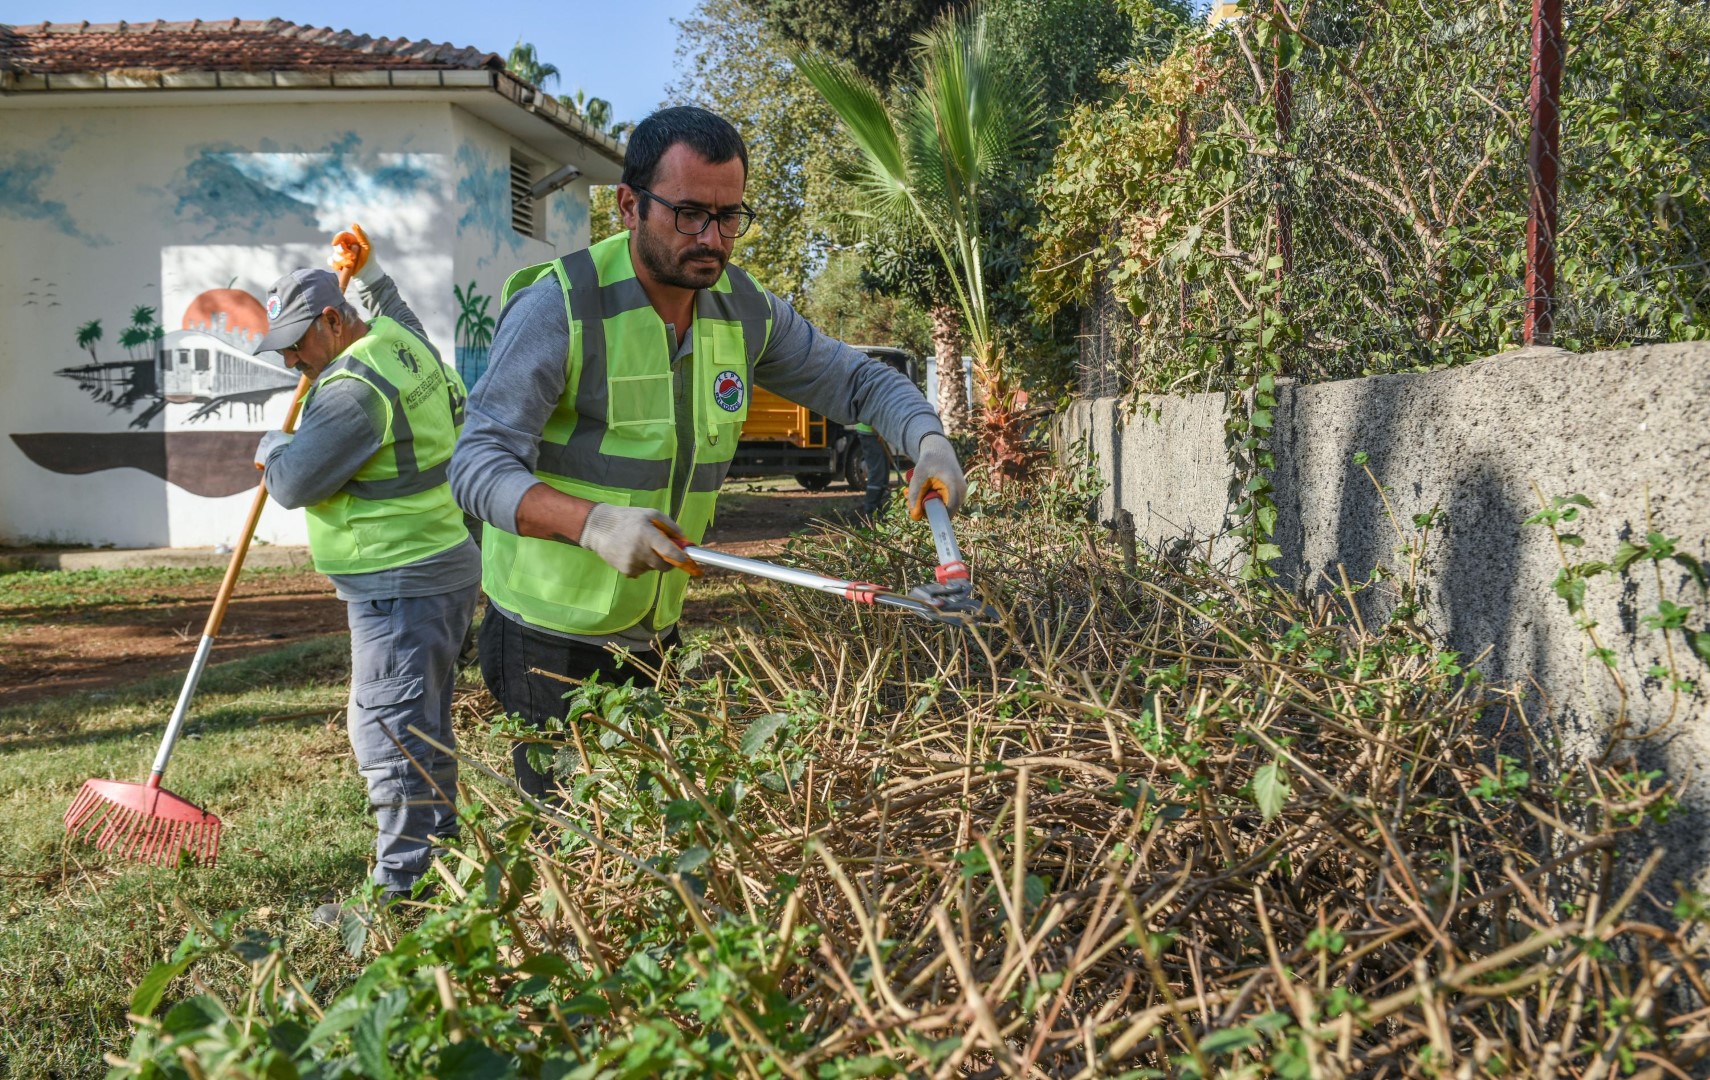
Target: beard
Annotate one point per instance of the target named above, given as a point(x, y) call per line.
point(671, 268)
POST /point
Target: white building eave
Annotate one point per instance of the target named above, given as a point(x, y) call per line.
point(536, 119)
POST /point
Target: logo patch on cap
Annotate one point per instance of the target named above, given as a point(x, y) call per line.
point(728, 390)
point(273, 306)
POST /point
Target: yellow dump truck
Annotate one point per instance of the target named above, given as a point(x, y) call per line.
point(781, 438)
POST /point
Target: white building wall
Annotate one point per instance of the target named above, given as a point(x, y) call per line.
point(488, 249)
point(183, 209)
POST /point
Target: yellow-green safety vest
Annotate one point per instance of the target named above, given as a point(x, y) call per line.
point(398, 508)
point(630, 429)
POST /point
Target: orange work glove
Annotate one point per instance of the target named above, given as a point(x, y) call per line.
point(355, 254)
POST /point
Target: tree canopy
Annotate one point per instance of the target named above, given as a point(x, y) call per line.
point(731, 63)
point(876, 36)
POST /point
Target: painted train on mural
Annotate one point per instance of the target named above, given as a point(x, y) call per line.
point(195, 366)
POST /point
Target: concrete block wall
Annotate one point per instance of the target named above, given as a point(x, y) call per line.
point(1628, 429)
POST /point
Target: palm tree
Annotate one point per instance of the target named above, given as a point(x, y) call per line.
point(132, 337)
point(924, 163)
point(87, 335)
point(525, 65)
point(474, 326)
point(141, 332)
point(599, 112)
point(596, 111)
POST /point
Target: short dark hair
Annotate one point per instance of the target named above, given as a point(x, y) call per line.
point(706, 133)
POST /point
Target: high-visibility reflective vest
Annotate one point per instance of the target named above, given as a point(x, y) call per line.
point(398, 508)
point(630, 429)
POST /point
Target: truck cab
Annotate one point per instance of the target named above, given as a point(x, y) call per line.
point(781, 438)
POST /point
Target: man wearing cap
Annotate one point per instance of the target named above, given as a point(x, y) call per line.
point(368, 463)
point(614, 397)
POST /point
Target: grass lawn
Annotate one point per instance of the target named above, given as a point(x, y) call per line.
point(79, 928)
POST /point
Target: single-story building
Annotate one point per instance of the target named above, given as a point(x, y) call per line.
point(156, 177)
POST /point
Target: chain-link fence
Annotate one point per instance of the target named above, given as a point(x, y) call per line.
point(1416, 185)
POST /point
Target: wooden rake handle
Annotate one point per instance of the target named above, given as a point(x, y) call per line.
point(241, 550)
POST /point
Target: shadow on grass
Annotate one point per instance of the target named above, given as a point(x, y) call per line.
point(62, 720)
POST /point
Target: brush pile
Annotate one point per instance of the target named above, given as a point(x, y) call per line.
point(1161, 823)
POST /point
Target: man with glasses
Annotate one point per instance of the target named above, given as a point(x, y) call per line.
point(368, 463)
point(616, 388)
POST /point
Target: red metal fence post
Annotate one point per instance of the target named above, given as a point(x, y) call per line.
point(1543, 158)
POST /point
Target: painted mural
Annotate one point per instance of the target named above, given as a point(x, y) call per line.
point(206, 363)
point(474, 332)
point(484, 192)
point(269, 187)
point(111, 374)
point(25, 179)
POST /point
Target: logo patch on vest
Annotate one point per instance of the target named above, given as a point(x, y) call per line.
point(728, 391)
point(273, 307)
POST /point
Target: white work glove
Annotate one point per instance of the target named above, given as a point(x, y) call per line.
point(355, 251)
point(270, 440)
point(634, 539)
point(935, 469)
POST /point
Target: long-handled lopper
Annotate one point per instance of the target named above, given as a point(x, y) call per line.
point(950, 600)
point(145, 821)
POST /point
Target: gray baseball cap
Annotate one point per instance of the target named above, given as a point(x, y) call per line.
point(295, 301)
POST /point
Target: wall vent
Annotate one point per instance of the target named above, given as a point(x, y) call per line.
point(524, 214)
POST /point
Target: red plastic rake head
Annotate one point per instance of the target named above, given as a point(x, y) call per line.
point(144, 822)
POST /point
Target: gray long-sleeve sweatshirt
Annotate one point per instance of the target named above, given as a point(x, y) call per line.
point(493, 465)
point(342, 429)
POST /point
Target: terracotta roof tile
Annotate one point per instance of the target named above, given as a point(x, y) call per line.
point(227, 45)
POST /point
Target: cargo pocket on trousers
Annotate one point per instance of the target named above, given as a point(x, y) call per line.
point(381, 716)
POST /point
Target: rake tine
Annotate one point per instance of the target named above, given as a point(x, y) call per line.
point(162, 843)
point(127, 835)
point(144, 822)
point(77, 809)
point(93, 813)
point(109, 827)
point(143, 833)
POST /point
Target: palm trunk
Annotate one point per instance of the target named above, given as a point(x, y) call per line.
point(947, 348)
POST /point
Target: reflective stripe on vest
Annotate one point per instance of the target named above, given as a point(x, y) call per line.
point(634, 428)
point(398, 508)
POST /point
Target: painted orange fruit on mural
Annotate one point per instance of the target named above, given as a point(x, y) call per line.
point(228, 313)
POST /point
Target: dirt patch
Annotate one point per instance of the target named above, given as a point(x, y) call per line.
point(98, 646)
point(756, 519)
point(55, 650)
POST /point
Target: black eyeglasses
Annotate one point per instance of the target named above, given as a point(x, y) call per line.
point(307, 330)
point(692, 220)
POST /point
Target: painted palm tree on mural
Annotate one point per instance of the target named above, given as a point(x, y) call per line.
point(474, 325)
point(141, 332)
point(474, 331)
point(924, 164)
point(87, 335)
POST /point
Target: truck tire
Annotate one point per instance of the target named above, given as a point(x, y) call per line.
point(854, 469)
point(813, 481)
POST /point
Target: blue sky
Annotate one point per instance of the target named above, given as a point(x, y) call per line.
point(622, 50)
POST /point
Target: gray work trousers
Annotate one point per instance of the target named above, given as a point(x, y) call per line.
point(403, 666)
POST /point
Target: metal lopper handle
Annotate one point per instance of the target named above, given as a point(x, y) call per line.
point(951, 567)
point(860, 592)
